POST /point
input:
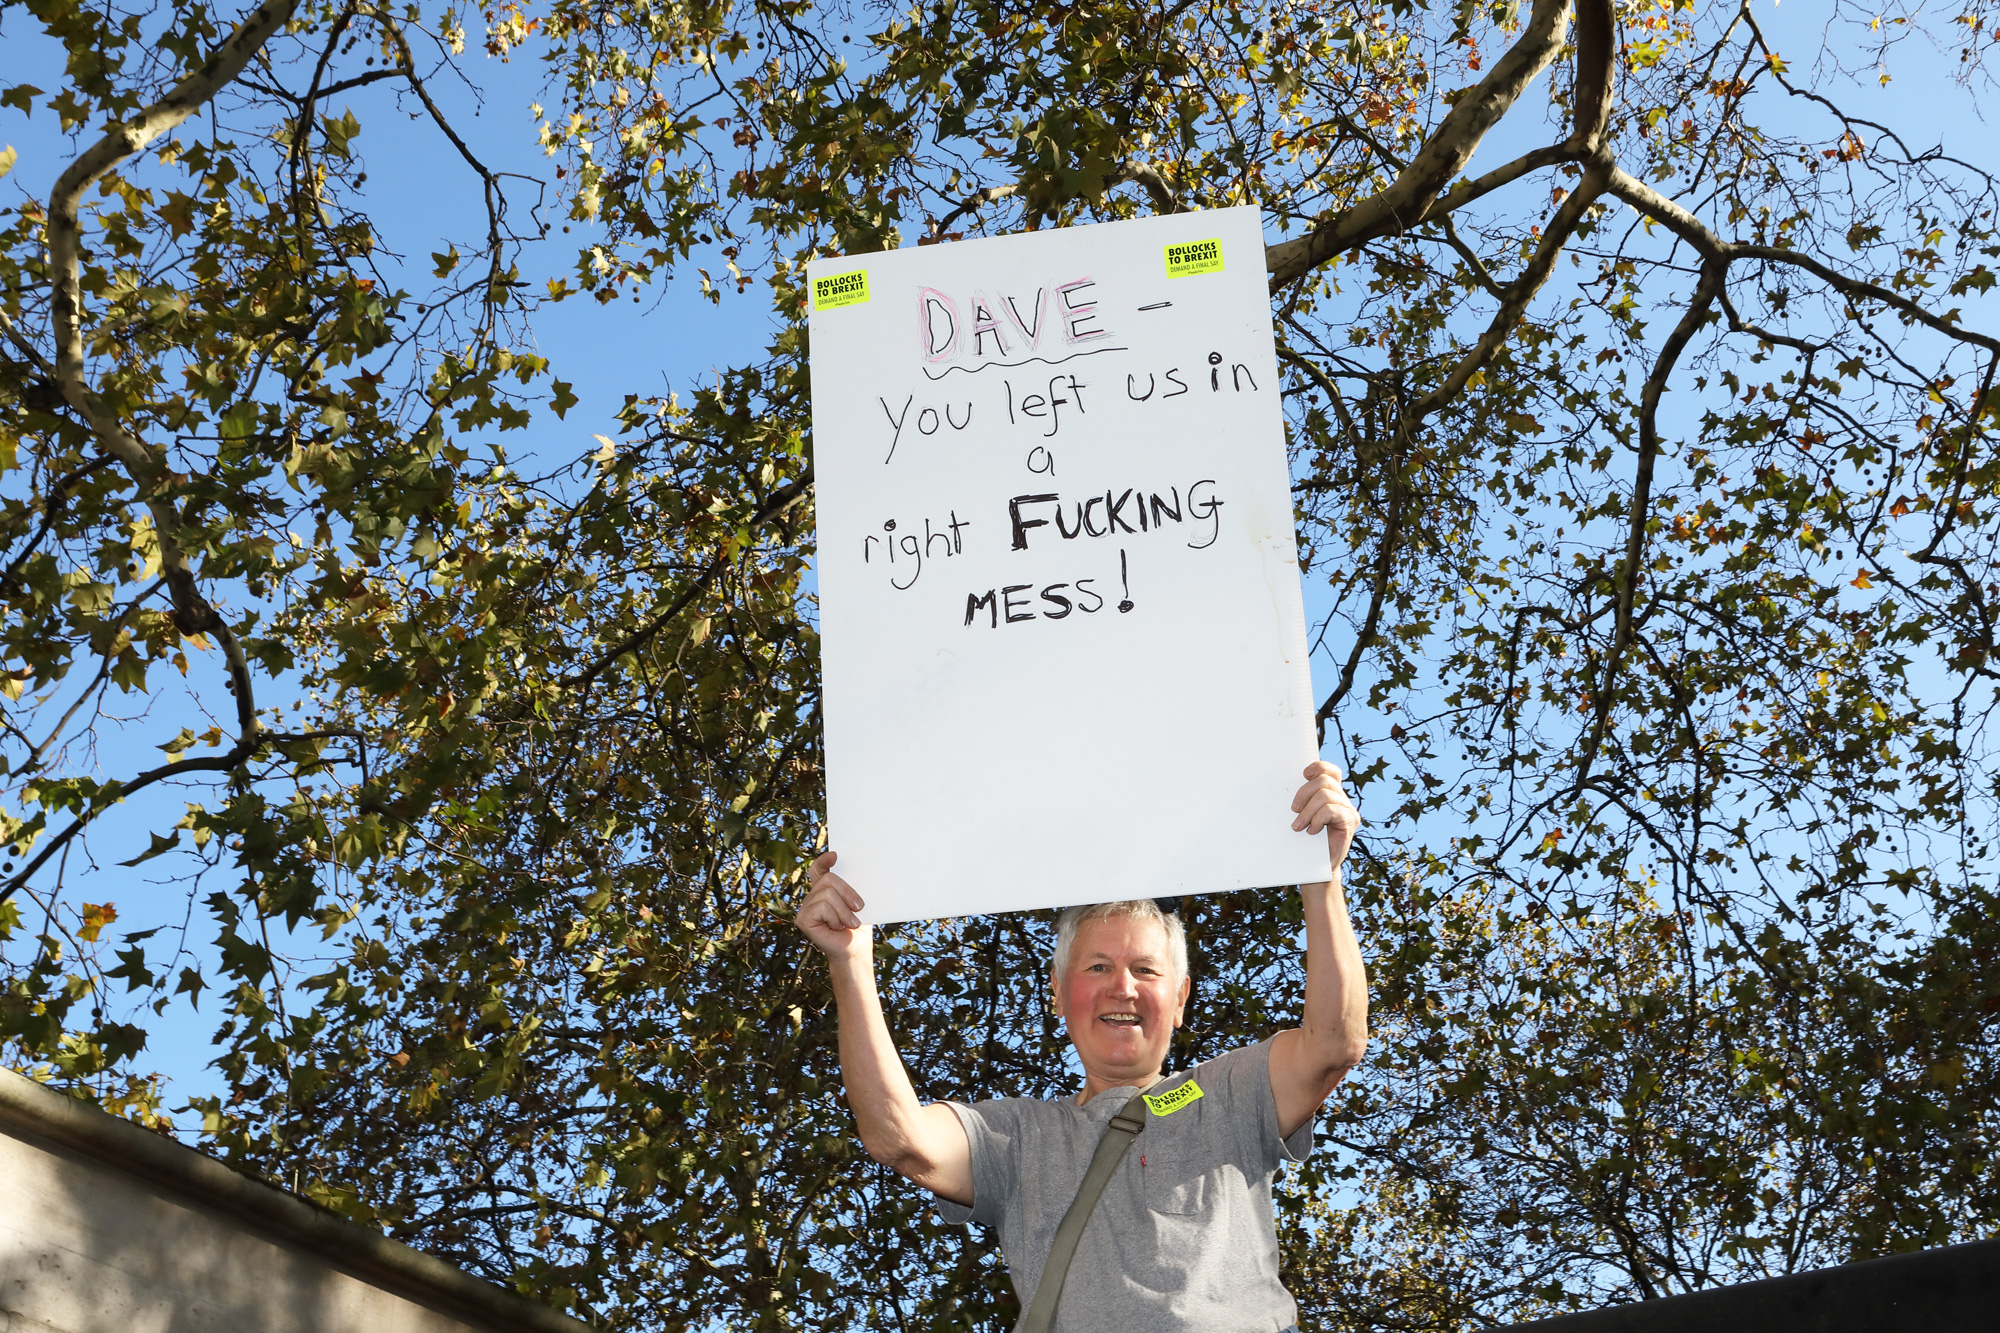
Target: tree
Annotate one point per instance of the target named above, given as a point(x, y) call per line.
point(1668, 713)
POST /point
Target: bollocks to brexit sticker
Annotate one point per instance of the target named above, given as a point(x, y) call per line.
point(839, 289)
point(1169, 1102)
point(1192, 257)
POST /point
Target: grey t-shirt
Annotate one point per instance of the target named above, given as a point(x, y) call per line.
point(1183, 1239)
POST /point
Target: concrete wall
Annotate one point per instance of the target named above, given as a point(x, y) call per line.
point(121, 1231)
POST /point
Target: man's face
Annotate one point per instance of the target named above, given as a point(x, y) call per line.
point(1121, 998)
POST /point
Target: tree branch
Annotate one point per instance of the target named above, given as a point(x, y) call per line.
point(496, 202)
point(1590, 108)
point(1689, 228)
point(1409, 199)
point(1385, 560)
point(779, 501)
point(192, 612)
point(1707, 291)
point(978, 199)
point(1148, 175)
point(113, 792)
point(1517, 295)
point(119, 143)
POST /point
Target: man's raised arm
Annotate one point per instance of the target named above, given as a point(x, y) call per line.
point(1308, 1062)
point(925, 1143)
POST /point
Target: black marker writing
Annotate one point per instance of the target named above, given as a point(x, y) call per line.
point(895, 421)
point(1117, 511)
point(1021, 525)
point(1024, 361)
point(1032, 332)
point(915, 552)
point(1010, 606)
point(1047, 406)
point(986, 324)
point(1114, 509)
point(1003, 607)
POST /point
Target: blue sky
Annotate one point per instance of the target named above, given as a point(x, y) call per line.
point(423, 200)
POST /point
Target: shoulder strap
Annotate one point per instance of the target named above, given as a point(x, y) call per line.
point(1118, 1135)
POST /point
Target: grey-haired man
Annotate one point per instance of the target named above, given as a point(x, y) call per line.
point(1183, 1237)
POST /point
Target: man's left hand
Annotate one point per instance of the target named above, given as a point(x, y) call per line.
point(1321, 804)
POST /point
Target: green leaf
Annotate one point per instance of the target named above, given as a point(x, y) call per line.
point(160, 845)
point(562, 400)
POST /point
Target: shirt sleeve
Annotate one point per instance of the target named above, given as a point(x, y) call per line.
point(1246, 1073)
point(992, 1134)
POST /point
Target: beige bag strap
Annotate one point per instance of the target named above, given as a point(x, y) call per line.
point(1118, 1135)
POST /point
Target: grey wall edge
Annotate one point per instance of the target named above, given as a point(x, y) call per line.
point(102, 1137)
point(1951, 1287)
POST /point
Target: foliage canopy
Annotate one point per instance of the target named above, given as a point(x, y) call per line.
point(1669, 713)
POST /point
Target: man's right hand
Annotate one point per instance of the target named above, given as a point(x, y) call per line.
point(829, 915)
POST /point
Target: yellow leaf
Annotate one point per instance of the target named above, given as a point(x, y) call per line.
point(96, 916)
point(1861, 580)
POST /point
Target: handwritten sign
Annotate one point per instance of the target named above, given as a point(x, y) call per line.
point(1062, 636)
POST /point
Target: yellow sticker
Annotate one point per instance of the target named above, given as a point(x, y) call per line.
point(839, 289)
point(1169, 1102)
point(1192, 257)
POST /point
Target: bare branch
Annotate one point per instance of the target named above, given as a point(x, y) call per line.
point(496, 202)
point(1462, 194)
point(1737, 324)
point(1518, 293)
point(114, 792)
point(1710, 246)
point(1471, 258)
point(1855, 289)
point(1647, 200)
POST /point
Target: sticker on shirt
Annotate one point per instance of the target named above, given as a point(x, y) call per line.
point(1169, 1102)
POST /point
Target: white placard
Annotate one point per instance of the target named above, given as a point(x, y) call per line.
point(1063, 642)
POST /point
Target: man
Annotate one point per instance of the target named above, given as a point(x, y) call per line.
point(1183, 1237)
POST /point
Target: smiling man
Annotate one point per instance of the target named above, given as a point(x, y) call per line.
point(1183, 1236)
